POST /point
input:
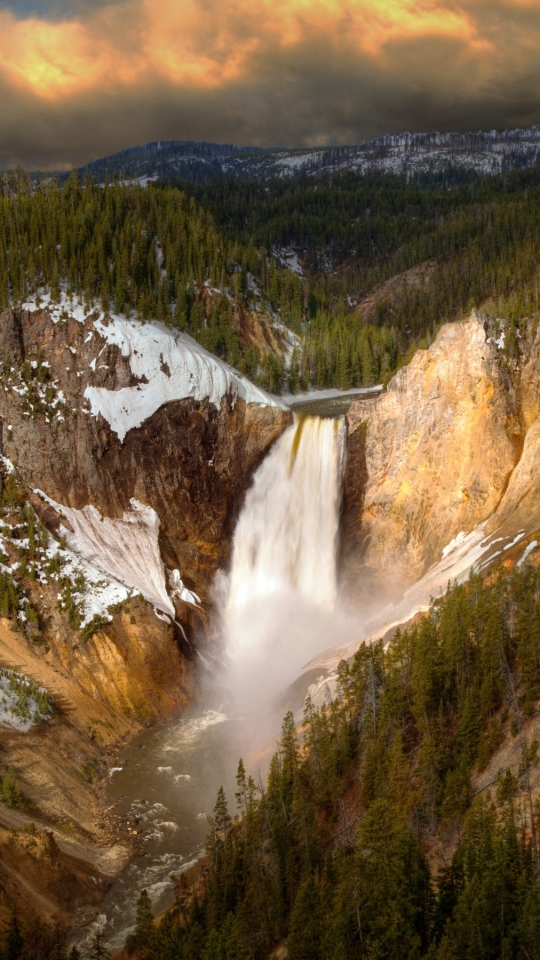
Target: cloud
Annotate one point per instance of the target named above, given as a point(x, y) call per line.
point(289, 72)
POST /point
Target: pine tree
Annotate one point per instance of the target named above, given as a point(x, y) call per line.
point(14, 940)
point(98, 950)
point(144, 923)
point(304, 940)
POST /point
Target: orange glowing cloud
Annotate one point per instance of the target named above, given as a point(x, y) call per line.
point(206, 44)
point(262, 72)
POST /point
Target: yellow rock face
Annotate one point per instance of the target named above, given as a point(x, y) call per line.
point(440, 447)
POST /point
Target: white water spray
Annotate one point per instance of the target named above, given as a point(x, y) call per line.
point(282, 589)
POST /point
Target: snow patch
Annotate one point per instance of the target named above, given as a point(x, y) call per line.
point(98, 594)
point(528, 549)
point(179, 590)
point(516, 539)
point(58, 310)
point(288, 257)
point(125, 549)
point(22, 702)
point(152, 349)
point(461, 555)
point(329, 394)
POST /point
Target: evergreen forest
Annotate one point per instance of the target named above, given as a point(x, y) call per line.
point(380, 262)
point(370, 838)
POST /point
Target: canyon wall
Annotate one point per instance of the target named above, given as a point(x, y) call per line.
point(450, 445)
point(135, 448)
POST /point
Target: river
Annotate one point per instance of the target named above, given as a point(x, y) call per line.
point(163, 786)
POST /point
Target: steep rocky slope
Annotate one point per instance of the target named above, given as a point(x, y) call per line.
point(440, 446)
point(442, 469)
point(156, 435)
point(134, 448)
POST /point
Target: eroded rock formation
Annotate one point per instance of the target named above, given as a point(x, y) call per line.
point(452, 442)
point(190, 460)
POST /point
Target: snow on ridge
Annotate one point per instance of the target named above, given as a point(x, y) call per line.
point(329, 393)
point(287, 257)
point(467, 552)
point(176, 368)
point(174, 364)
point(57, 309)
point(298, 161)
point(125, 549)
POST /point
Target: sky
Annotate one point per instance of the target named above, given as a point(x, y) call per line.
point(83, 79)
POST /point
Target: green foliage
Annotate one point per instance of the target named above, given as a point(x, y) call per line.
point(144, 926)
point(71, 603)
point(150, 251)
point(10, 791)
point(478, 238)
point(12, 495)
point(34, 939)
point(157, 253)
point(27, 700)
point(98, 950)
point(10, 596)
point(96, 623)
point(331, 857)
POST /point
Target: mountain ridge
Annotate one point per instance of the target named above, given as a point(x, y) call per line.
point(405, 153)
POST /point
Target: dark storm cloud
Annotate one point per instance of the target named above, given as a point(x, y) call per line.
point(53, 10)
point(288, 72)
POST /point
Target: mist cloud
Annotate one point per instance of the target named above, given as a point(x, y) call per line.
point(81, 80)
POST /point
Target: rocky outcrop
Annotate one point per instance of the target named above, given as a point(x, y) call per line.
point(451, 443)
point(36, 876)
point(190, 460)
point(390, 292)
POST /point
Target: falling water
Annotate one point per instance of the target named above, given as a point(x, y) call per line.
point(282, 586)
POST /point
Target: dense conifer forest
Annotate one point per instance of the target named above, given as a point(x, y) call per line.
point(336, 855)
point(479, 236)
point(202, 256)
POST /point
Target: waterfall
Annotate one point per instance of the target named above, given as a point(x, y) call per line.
point(282, 585)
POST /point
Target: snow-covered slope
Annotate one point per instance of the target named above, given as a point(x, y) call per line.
point(168, 365)
point(466, 552)
point(484, 152)
point(126, 549)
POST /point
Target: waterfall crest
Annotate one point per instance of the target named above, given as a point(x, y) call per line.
point(286, 537)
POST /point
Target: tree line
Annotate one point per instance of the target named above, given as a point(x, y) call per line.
point(354, 232)
point(202, 262)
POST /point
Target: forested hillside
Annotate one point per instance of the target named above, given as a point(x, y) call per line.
point(152, 252)
point(337, 854)
point(363, 268)
point(352, 233)
point(334, 854)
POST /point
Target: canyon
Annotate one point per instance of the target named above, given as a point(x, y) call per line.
point(136, 450)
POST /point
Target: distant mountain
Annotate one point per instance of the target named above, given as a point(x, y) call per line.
point(409, 153)
point(166, 158)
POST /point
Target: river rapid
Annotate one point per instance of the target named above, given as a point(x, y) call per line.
point(164, 785)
